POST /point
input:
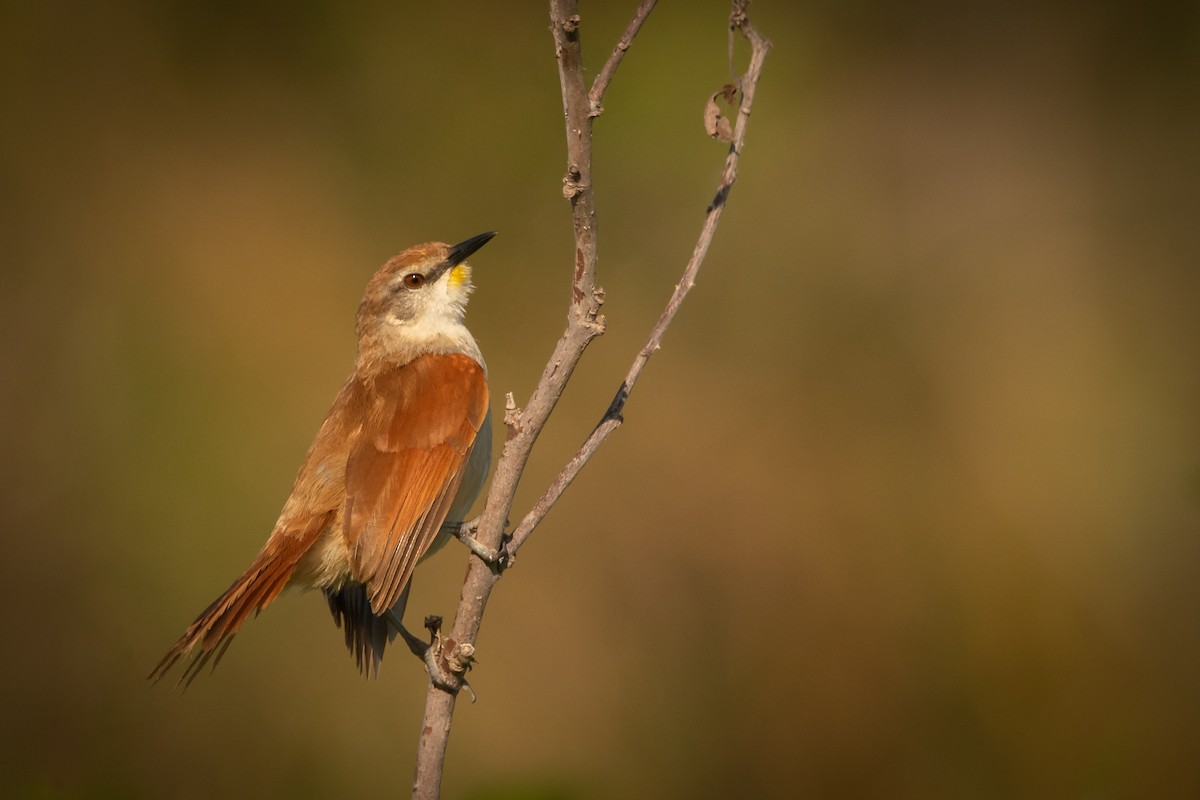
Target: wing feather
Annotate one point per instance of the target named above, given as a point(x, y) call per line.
point(405, 469)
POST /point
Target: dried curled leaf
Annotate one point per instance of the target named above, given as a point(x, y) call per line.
point(716, 122)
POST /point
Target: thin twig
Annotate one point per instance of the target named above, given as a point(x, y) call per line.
point(612, 419)
point(605, 75)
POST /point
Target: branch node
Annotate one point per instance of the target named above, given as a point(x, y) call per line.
point(596, 325)
point(738, 17)
point(461, 657)
point(512, 414)
point(572, 187)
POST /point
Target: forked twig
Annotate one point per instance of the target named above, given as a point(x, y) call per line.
point(581, 106)
point(747, 84)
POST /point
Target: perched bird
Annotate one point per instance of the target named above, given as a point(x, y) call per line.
point(397, 464)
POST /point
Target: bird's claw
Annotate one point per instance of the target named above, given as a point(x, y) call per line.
point(498, 560)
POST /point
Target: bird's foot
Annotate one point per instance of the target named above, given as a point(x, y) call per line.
point(446, 661)
point(498, 560)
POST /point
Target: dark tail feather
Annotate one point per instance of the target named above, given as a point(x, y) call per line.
point(209, 636)
point(367, 634)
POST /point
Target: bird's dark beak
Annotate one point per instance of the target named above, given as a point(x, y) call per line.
point(458, 254)
point(460, 251)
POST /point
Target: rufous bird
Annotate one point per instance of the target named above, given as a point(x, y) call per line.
point(396, 466)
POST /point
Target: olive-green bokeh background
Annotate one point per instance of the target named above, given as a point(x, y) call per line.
point(907, 506)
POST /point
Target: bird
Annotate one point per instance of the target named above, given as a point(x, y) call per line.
point(398, 462)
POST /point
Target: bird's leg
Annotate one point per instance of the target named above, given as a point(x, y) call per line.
point(465, 533)
point(415, 645)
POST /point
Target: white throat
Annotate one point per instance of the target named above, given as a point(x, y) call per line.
point(435, 332)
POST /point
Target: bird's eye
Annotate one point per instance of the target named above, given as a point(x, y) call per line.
point(414, 280)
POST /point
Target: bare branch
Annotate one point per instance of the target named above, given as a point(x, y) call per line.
point(612, 419)
point(584, 323)
point(604, 77)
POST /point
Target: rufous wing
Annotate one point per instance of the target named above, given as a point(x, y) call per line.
point(420, 422)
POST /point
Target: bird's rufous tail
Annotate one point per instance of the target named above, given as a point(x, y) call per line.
point(208, 637)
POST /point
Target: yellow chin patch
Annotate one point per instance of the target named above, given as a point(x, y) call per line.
point(459, 275)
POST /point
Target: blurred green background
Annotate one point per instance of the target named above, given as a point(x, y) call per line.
point(908, 505)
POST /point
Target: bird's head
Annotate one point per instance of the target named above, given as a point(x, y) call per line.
point(420, 292)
